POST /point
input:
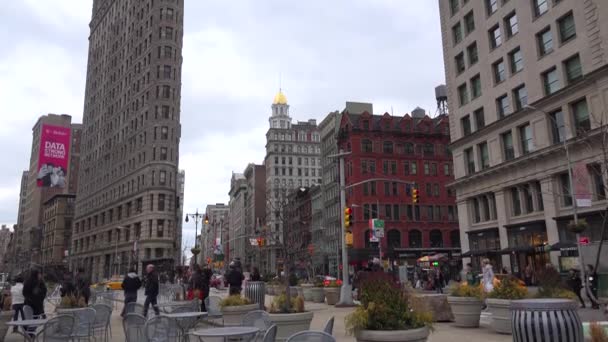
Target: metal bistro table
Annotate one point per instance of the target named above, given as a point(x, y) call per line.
point(27, 323)
point(227, 332)
point(185, 320)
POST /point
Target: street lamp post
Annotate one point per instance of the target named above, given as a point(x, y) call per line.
point(118, 229)
point(196, 217)
point(572, 194)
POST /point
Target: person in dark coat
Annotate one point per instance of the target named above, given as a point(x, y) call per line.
point(152, 288)
point(34, 292)
point(67, 286)
point(206, 276)
point(83, 285)
point(592, 281)
point(575, 284)
point(130, 285)
point(235, 280)
point(255, 275)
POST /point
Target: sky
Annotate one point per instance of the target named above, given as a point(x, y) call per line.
point(236, 56)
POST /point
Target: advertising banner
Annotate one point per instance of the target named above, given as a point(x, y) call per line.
point(53, 156)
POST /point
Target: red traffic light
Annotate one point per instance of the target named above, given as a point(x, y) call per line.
point(348, 211)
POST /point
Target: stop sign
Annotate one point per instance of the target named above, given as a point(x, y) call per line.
point(584, 240)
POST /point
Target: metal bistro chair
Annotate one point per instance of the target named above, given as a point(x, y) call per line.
point(101, 326)
point(162, 329)
point(212, 303)
point(185, 324)
point(134, 308)
point(133, 325)
point(83, 328)
point(28, 313)
point(271, 334)
point(259, 319)
point(329, 326)
point(311, 336)
point(58, 329)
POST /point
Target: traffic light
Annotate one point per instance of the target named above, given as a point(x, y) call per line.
point(415, 195)
point(260, 242)
point(206, 219)
point(347, 212)
point(208, 260)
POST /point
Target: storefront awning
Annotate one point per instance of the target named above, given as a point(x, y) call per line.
point(564, 246)
point(466, 254)
point(481, 252)
point(517, 249)
point(525, 224)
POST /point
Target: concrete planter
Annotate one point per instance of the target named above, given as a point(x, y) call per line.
point(5, 316)
point(412, 335)
point(332, 295)
point(466, 310)
point(233, 315)
point(307, 292)
point(293, 291)
point(291, 323)
point(501, 314)
point(318, 295)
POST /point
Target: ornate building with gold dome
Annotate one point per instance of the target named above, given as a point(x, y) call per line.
point(293, 160)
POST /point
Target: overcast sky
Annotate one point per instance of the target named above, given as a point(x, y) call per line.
point(387, 52)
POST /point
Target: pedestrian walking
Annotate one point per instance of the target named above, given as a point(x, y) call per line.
point(151, 290)
point(206, 276)
point(575, 284)
point(487, 278)
point(130, 285)
point(34, 292)
point(528, 274)
point(439, 281)
point(591, 289)
point(255, 275)
point(235, 279)
point(67, 286)
point(17, 299)
point(83, 285)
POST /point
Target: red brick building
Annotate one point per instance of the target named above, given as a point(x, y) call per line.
point(389, 151)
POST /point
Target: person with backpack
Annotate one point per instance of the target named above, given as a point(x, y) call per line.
point(130, 286)
point(83, 285)
point(152, 289)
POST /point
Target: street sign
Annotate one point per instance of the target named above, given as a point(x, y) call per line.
point(584, 240)
point(378, 227)
point(253, 242)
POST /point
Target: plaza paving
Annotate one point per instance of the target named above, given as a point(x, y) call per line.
point(322, 312)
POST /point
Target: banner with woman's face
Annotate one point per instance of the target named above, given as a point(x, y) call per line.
point(53, 156)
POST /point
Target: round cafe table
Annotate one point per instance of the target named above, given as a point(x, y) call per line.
point(227, 332)
point(27, 323)
point(186, 320)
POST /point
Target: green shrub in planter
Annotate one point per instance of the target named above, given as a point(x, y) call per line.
point(234, 300)
point(550, 285)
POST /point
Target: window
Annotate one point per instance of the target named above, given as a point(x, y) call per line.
point(162, 177)
point(469, 162)
point(167, 32)
point(164, 133)
point(427, 168)
point(491, 6)
point(166, 71)
point(507, 145)
point(558, 126)
point(373, 188)
point(528, 198)
point(581, 116)
point(366, 146)
point(503, 106)
point(469, 23)
point(463, 94)
point(433, 169)
point(408, 148)
point(499, 71)
point(515, 201)
point(495, 37)
point(521, 97)
point(472, 53)
point(550, 81)
point(540, 7)
point(428, 150)
point(454, 6)
point(525, 136)
point(166, 92)
point(511, 25)
point(539, 195)
point(457, 33)
point(168, 52)
point(484, 157)
point(163, 153)
point(573, 69)
point(446, 169)
point(517, 61)
point(466, 125)
point(567, 30)
point(161, 202)
point(480, 120)
point(387, 147)
point(387, 189)
point(545, 41)
point(459, 60)
point(476, 211)
point(564, 181)
point(599, 192)
point(413, 168)
point(475, 86)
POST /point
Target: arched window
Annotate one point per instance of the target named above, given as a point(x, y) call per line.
point(455, 238)
point(408, 148)
point(366, 236)
point(393, 239)
point(436, 238)
point(366, 146)
point(415, 237)
point(387, 147)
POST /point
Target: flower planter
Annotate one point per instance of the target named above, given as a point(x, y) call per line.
point(233, 315)
point(466, 310)
point(501, 315)
point(412, 335)
point(318, 295)
point(307, 292)
point(5, 316)
point(291, 323)
point(332, 295)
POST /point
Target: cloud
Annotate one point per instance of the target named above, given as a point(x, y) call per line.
point(236, 53)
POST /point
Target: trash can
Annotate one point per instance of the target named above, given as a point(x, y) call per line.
point(551, 320)
point(255, 291)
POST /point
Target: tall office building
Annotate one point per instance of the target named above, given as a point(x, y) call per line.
point(127, 196)
point(527, 80)
point(292, 160)
point(17, 254)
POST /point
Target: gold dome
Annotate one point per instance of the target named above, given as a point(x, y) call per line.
point(280, 98)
